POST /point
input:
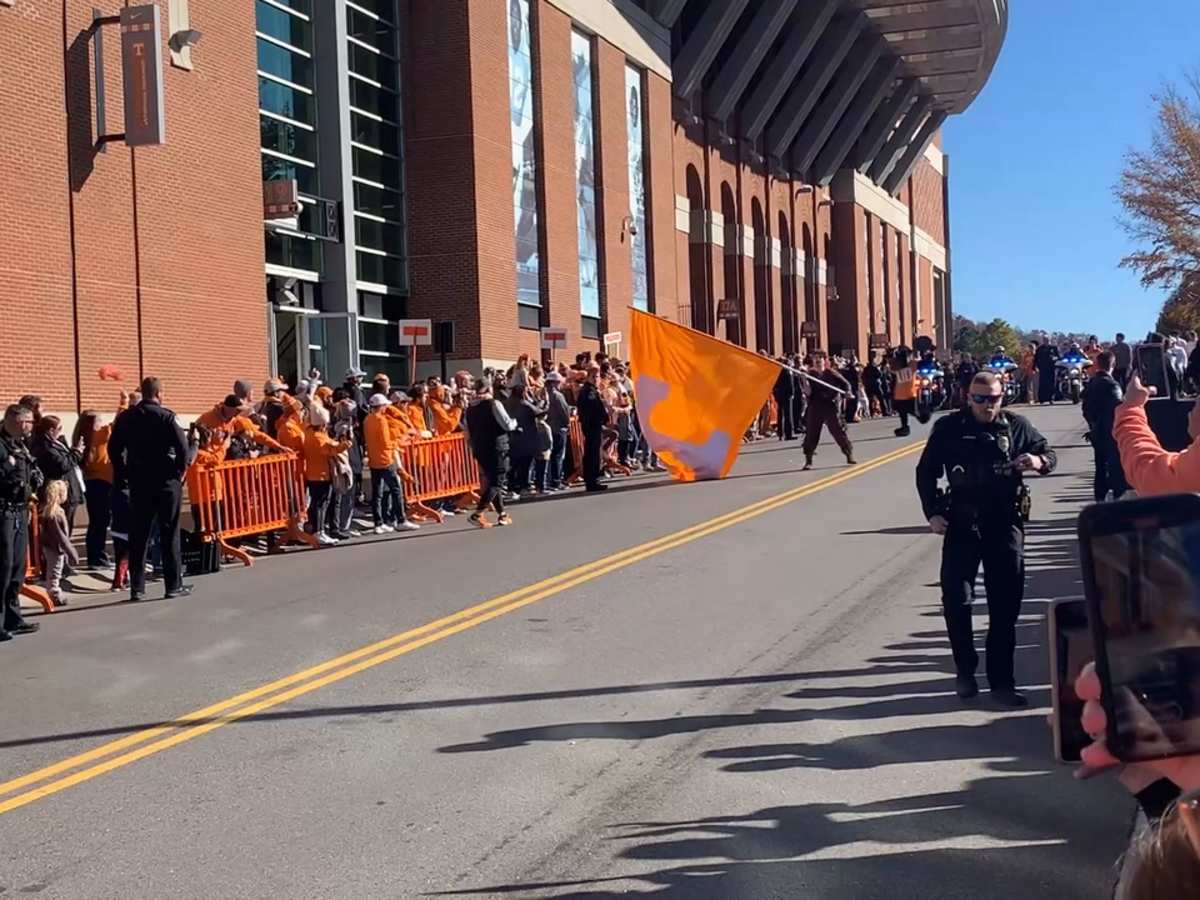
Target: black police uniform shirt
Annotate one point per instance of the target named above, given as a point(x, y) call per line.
point(973, 457)
point(19, 474)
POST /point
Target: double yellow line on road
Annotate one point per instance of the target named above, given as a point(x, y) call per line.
point(149, 741)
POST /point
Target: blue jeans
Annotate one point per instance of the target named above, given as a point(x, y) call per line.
point(386, 483)
point(558, 454)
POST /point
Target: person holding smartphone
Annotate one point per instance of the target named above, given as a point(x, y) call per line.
point(984, 452)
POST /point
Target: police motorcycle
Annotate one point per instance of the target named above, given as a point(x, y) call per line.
point(1005, 367)
point(931, 390)
point(1072, 374)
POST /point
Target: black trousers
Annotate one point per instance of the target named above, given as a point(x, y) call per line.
point(1000, 547)
point(318, 506)
point(824, 415)
point(787, 428)
point(592, 440)
point(99, 507)
point(14, 542)
point(905, 408)
point(1109, 474)
point(493, 472)
point(152, 504)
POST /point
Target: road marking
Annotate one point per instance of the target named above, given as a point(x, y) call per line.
point(202, 721)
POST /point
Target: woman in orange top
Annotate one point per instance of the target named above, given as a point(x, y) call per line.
point(319, 449)
point(382, 438)
point(98, 480)
point(1148, 468)
point(212, 444)
point(289, 430)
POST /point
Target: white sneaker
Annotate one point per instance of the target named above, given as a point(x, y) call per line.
point(407, 526)
point(326, 541)
point(354, 532)
point(383, 529)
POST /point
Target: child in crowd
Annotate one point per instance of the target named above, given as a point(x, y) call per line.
point(55, 537)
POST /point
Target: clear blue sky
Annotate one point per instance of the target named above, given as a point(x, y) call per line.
point(1035, 238)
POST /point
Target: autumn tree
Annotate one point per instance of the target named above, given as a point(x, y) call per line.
point(1160, 193)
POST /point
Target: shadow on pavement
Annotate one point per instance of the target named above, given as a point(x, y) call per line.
point(1018, 831)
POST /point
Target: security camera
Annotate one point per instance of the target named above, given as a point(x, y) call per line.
point(189, 37)
point(633, 230)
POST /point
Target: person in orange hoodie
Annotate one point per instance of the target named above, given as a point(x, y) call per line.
point(382, 439)
point(97, 479)
point(289, 429)
point(230, 416)
point(1149, 469)
point(319, 449)
point(447, 415)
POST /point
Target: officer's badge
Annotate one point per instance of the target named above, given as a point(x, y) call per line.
point(1003, 443)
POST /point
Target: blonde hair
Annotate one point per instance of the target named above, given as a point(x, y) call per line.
point(56, 496)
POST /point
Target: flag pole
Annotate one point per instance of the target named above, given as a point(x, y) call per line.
point(710, 337)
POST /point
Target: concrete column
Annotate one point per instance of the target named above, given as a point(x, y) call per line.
point(901, 137)
point(692, 62)
point(734, 77)
point(868, 101)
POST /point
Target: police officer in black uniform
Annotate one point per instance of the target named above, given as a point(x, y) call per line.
point(593, 415)
point(984, 452)
point(19, 479)
point(150, 452)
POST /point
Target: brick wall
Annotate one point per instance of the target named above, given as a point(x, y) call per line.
point(927, 201)
point(198, 239)
point(667, 292)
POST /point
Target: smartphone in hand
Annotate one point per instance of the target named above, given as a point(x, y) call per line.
point(1150, 361)
point(1141, 576)
point(1070, 650)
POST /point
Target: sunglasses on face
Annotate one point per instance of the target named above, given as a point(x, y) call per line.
point(986, 399)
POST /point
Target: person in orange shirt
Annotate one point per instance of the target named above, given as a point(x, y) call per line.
point(419, 413)
point(289, 429)
point(205, 493)
point(229, 416)
point(97, 479)
point(382, 439)
point(1148, 468)
point(319, 449)
point(447, 415)
point(904, 395)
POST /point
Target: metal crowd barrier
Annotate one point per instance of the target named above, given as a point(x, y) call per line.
point(439, 468)
point(244, 497)
point(33, 564)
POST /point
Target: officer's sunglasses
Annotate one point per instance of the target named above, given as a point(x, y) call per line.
point(986, 399)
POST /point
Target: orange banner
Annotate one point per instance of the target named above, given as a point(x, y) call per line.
point(696, 395)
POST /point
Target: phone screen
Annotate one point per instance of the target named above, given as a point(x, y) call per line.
point(1071, 649)
point(1152, 368)
point(1145, 591)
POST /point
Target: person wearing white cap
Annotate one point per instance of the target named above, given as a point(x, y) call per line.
point(382, 441)
point(558, 417)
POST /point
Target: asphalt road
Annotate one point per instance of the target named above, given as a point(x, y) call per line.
point(753, 702)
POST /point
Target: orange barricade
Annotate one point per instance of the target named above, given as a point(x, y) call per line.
point(33, 565)
point(244, 497)
point(438, 468)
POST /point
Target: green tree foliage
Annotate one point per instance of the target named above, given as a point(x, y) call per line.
point(981, 340)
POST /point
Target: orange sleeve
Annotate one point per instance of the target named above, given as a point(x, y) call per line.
point(1150, 469)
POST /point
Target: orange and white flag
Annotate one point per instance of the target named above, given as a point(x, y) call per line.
point(696, 395)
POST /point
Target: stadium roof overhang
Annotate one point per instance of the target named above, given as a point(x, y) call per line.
point(821, 85)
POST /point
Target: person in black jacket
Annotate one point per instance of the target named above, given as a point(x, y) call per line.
point(872, 376)
point(59, 462)
point(19, 478)
point(488, 428)
point(1046, 362)
point(824, 402)
point(784, 391)
point(1101, 398)
point(524, 445)
point(559, 418)
point(593, 416)
point(984, 453)
point(149, 451)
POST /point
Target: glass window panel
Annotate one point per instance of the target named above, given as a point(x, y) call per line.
point(374, 167)
point(394, 367)
point(378, 68)
point(275, 168)
point(379, 338)
point(284, 63)
point(284, 101)
point(382, 8)
point(379, 202)
point(289, 139)
point(379, 235)
point(382, 306)
point(381, 269)
point(296, 253)
point(300, 6)
point(287, 28)
point(371, 31)
point(383, 135)
point(373, 100)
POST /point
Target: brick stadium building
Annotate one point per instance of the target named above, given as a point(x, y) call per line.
point(770, 171)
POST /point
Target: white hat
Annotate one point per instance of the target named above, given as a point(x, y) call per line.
point(378, 400)
point(553, 377)
point(355, 372)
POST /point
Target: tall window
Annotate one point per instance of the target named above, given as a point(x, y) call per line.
point(287, 117)
point(870, 245)
point(638, 235)
point(585, 184)
point(376, 144)
point(524, 163)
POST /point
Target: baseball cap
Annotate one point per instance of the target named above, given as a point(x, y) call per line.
point(377, 400)
point(553, 376)
point(274, 386)
point(355, 372)
point(232, 401)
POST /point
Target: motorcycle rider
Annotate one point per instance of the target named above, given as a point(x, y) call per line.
point(963, 375)
point(1073, 359)
point(929, 370)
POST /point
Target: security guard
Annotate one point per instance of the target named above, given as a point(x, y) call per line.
point(150, 453)
point(19, 479)
point(984, 452)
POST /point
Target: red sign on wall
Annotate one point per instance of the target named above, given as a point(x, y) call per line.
point(416, 332)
